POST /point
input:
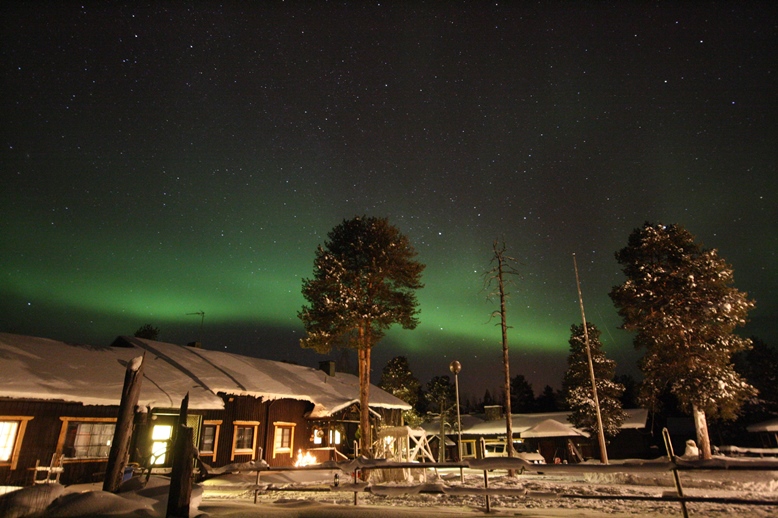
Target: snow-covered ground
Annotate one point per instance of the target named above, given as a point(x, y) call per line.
point(528, 494)
point(559, 492)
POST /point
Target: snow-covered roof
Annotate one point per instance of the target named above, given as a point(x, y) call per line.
point(552, 428)
point(520, 423)
point(636, 418)
point(770, 425)
point(44, 369)
point(534, 425)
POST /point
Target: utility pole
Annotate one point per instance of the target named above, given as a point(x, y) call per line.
point(456, 367)
point(600, 431)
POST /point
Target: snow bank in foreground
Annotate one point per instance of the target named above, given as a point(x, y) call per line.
point(94, 503)
point(56, 501)
point(752, 481)
point(29, 500)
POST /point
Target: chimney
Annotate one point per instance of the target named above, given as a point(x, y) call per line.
point(493, 412)
point(328, 366)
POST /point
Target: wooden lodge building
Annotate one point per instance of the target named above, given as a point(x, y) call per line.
point(59, 403)
point(551, 434)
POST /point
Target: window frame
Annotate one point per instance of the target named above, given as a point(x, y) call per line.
point(21, 428)
point(66, 420)
point(236, 425)
point(469, 445)
point(280, 426)
point(216, 424)
point(335, 437)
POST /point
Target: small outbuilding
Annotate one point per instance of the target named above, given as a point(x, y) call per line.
point(550, 433)
point(768, 432)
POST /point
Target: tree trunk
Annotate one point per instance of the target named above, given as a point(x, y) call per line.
point(364, 394)
point(120, 447)
point(505, 361)
point(701, 425)
point(442, 438)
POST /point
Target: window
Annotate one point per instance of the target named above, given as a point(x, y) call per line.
point(86, 438)
point(12, 430)
point(335, 437)
point(195, 422)
point(283, 441)
point(244, 438)
point(8, 431)
point(468, 449)
point(160, 443)
point(209, 438)
point(318, 436)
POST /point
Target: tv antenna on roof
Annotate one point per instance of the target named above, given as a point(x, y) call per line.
point(202, 318)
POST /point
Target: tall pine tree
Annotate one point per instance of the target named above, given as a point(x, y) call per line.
point(441, 396)
point(577, 384)
point(522, 395)
point(364, 281)
point(759, 366)
point(548, 400)
point(398, 380)
point(680, 300)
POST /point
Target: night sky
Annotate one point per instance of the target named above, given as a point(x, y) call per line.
point(161, 161)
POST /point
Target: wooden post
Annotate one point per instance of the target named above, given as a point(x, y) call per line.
point(482, 448)
point(355, 484)
point(120, 447)
point(592, 378)
point(486, 486)
point(183, 466)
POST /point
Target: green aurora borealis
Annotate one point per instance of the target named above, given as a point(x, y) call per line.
point(161, 161)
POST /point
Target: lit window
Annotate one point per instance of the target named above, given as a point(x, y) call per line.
point(12, 430)
point(8, 430)
point(318, 436)
point(160, 437)
point(335, 436)
point(283, 441)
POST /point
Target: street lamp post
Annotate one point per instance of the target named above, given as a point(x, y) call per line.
point(455, 368)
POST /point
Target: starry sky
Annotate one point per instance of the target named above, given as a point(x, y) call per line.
point(164, 160)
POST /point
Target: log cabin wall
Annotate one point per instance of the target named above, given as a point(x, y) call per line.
point(286, 420)
point(45, 423)
point(240, 412)
point(41, 437)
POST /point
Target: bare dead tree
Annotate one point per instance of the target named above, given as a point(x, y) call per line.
point(503, 266)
